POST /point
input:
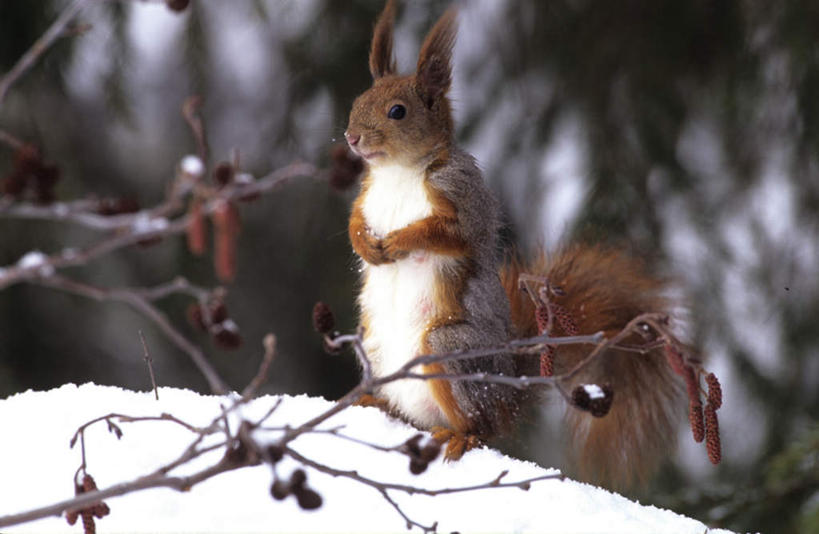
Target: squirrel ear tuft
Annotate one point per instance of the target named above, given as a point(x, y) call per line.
point(434, 71)
point(382, 62)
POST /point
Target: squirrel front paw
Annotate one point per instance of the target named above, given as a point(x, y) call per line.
point(368, 246)
point(392, 247)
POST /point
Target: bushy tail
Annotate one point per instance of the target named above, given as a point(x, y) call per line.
point(600, 289)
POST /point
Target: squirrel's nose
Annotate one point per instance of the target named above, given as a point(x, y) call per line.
point(352, 139)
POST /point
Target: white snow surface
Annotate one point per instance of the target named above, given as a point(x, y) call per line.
point(38, 467)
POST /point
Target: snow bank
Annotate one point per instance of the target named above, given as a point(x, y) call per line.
point(37, 468)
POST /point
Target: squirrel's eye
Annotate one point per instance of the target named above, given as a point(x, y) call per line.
point(397, 112)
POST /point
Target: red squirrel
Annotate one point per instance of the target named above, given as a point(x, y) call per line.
point(426, 229)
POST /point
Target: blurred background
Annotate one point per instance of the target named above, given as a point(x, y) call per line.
point(685, 131)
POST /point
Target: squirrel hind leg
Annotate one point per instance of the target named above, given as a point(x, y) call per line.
point(457, 443)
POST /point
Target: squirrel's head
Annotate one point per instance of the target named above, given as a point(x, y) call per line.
point(405, 119)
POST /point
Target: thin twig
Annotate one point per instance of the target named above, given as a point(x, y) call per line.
point(190, 111)
point(269, 343)
point(416, 490)
point(10, 140)
point(134, 232)
point(144, 306)
point(54, 32)
point(149, 362)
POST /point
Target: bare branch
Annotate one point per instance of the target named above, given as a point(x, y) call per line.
point(269, 343)
point(143, 305)
point(54, 32)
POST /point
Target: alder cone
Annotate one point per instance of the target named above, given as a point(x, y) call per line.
point(323, 319)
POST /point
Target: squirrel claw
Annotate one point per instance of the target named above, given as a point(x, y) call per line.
point(368, 400)
point(457, 443)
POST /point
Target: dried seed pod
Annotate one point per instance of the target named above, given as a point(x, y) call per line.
point(417, 466)
point(308, 499)
point(279, 490)
point(600, 406)
point(323, 319)
point(430, 450)
point(695, 419)
point(714, 391)
point(101, 510)
point(593, 399)
point(194, 314)
point(226, 335)
point(98, 509)
point(217, 314)
point(197, 230)
point(218, 310)
point(675, 359)
point(297, 479)
point(581, 398)
point(88, 483)
point(413, 446)
point(237, 454)
point(276, 452)
point(71, 516)
point(223, 173)
point(712, 441)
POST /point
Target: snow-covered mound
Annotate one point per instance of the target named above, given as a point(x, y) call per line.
point(37, 468)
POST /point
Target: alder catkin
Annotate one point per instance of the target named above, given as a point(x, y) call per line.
point(696, 421)
point(564, 320)
point(226, 231)
point(547, 361)
point(692, 385)
point(197, 231)
point(714, 391)
point(547, 356)
point(675, 359)
point(712, 441)
point(542, 318)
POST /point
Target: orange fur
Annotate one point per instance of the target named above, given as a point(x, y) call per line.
point(442, 392)
point(603, 289)
point(437, 233)
point(364, 242)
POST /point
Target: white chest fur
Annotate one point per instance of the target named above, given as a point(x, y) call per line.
point(398, 297)
point(395, 198)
